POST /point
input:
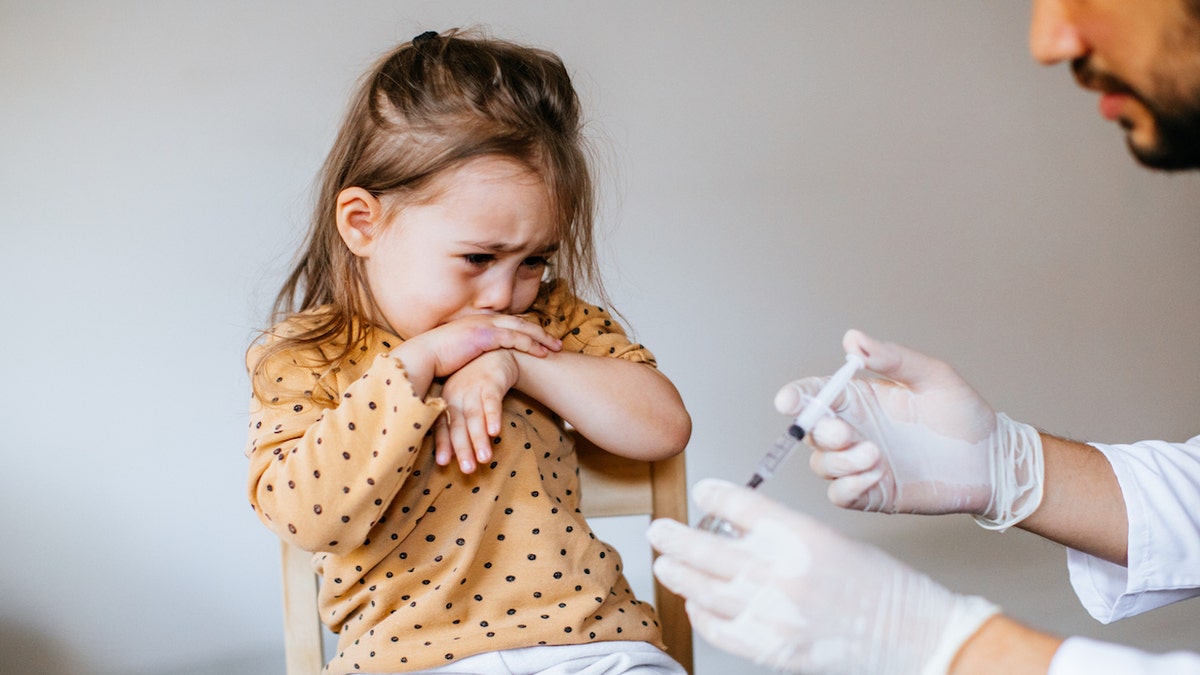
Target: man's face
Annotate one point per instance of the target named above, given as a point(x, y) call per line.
point(1143, 57)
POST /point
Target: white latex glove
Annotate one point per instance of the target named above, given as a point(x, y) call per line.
point(919, 439)
point(794, 595)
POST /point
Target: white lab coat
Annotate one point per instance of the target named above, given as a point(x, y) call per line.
point(1161, 485)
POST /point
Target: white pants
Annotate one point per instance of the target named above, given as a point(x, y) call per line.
point(593, 658)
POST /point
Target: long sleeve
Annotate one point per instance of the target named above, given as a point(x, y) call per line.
point(1161, 485)
point(589, 329)
point(1081, 656)
point(321, 477)
point(422, 564)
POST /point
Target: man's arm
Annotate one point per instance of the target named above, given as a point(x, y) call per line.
point(1004, 647)
point(1082, 504)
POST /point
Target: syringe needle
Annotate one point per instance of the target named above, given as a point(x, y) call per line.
point(783, 446)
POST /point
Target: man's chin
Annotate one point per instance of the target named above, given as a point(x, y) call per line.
point(1165, 159)
point(1174, 145)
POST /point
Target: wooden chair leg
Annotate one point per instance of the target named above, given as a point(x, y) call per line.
point(303, 640)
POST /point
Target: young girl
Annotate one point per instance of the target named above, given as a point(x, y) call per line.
point(408, 424)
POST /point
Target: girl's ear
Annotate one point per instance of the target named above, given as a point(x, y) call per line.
point(359, 217)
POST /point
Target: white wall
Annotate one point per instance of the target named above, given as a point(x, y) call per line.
point(775, 173)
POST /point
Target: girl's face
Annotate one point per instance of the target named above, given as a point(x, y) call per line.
point(479, 246)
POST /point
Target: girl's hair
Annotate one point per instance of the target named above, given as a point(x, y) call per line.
point(429, 106)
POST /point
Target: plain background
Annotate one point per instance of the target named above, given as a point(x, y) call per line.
point(773, 173)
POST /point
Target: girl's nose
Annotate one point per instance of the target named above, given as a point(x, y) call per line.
point(1053, 36)
point(496, 294)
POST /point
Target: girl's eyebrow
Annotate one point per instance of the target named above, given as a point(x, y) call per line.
point(504, 247)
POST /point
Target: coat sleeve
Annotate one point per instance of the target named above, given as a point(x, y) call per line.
point(1081, 656)
point(1161, 485)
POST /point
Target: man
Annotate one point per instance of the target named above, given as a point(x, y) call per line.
point(797, 596)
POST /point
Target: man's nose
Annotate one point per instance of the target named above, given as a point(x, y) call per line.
point(1053, 36)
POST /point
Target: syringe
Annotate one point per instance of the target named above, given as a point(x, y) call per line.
point(789, 439)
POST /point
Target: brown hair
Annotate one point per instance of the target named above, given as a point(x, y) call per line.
point(426, 107)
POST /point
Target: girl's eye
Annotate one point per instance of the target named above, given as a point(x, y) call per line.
point(485, 259)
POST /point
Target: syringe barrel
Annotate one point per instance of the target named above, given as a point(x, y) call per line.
point(779, 451)
point(815, 408)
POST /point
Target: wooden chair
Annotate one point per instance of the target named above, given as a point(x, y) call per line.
point(610, 486)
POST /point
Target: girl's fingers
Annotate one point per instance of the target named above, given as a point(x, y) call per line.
point(479, 440)
point(495, 337)
point(535, 333)
point(493, 412)
point(460, 441)
point(443, 451)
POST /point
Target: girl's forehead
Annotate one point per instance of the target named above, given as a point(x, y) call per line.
point(495, 203)
point(488, 169)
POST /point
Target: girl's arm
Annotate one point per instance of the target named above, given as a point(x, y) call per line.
point(443, 350)
point(625, 407)
point(607, 388)
point(321, 477)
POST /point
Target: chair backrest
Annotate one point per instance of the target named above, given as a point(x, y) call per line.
point(610, 486)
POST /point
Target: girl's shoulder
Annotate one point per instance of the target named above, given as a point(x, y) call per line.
point(304, 347)
point(585, 327)
point(309, 332)
point(557, 304)
point(300, 323)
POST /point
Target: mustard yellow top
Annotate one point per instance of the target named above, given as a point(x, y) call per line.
point(422, 564)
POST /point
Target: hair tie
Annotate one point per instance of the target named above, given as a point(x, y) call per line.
point(425, 38)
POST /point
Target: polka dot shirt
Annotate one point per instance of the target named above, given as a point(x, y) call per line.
point(422, 564)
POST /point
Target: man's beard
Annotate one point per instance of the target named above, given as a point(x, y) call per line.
point(1177, 146)
point(1177, 123)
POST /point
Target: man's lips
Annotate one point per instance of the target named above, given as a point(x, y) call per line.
point(1111, 104)
point(1115, 94)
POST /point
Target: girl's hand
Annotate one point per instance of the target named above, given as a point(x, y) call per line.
point(474, 397)
point(444, 350)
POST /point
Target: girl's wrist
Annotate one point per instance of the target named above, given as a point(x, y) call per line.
point(528, 366)
point(416, 365)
